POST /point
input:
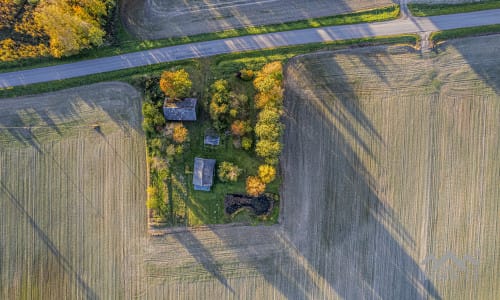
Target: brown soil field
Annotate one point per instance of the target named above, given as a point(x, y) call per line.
point(156, 19)
point(390, 158)
point(72, 198)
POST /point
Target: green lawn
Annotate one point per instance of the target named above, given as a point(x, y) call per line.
point(464, 32)
point(121, 42)
point(424, 10)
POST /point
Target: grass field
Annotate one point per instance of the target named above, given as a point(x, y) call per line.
point(448, 7)
point(166, 18)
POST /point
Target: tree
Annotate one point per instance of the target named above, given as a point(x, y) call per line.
point(268, 149)
point(269, 116)
point(268, 131)
point(240, 128)
point(176, 85)
point(180, 134)
point(228, 172)
point(220, 104)
point(255, 186)
point(153, 118)
point(267, 173)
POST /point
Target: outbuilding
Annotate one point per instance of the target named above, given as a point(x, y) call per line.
point(183, 110)
point(203, 174)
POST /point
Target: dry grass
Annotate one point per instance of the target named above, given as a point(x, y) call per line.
point(167, 18)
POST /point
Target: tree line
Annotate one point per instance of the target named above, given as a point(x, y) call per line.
point(34, 28)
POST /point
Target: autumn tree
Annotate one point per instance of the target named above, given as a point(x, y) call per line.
point(267, 173)
point(180, 134)
point(176, 85)
point(220, 104)
point(240, 128)
point(255, 186)
point(228, 172)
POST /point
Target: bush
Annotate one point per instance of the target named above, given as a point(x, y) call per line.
point(176, 85)
point(246, 143)
point(246, 75)
point(180, 134)
point(255, 186)
point(228, 172)
point(154, 201)
point(268, 149)
point(240, 128)
point(267, 173)
point(267, 131)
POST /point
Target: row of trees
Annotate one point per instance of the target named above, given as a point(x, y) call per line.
point(51, 27)
point(268, 128)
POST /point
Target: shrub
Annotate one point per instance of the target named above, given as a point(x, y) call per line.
point(240, 128)
point(246, 74)
point(246, 143)
point(268, 149)
point(267, 131)
point(267, 173)
point(255, 186)
point(228, 172)
point(175, 85)
point(180, 134)
point(153, 201)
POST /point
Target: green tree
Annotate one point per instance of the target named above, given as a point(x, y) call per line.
point(176, 85)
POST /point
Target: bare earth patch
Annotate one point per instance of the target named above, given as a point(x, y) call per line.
point(156, 19)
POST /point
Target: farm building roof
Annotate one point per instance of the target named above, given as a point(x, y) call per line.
point(184, 110)
point(213, 140)
point(203, 175)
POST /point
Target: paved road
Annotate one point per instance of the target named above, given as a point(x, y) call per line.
point(254, 42)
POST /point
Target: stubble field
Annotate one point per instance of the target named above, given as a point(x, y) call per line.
point(389, 158)
point(155, 19)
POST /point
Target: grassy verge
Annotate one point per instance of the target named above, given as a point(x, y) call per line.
point(122, 42)
point(424, 10)
point(464, 32)
point(221, 64)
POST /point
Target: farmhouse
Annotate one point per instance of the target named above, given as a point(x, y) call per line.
point(203, 175)
point(184, 110)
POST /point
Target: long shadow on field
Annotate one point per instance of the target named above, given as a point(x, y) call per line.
point(332, 211)
point(202, 255)
point(59, 257)
point(157, 19)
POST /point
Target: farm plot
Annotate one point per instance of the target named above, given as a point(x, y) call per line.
point(391, 170)
point(72, 195)
point(155, 19)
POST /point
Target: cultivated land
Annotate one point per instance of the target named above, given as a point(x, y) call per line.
point(157, 19)
point(72, 199)
point(384, 161)
point(390, 158)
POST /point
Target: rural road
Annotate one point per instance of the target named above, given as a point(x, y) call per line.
point(252, 42)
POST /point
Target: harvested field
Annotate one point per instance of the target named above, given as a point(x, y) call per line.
point(391, 158)
point(406, 166)
point(155, 19)
point(72, 198)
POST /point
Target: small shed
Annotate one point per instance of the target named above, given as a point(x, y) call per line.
point(184, 110)
point(203, 175)
point(212, 138)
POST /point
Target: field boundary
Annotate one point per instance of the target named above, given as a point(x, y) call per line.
point(126, 43)
point(437, 37)
point(426, 10)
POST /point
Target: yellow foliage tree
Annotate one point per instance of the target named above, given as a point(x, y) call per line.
point(267, 173)
point(255, 186)
point(175, 85)
point(180, 134)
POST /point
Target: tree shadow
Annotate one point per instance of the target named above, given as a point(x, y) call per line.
point(202, 256)
point(59, 257)
point(333, 213)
